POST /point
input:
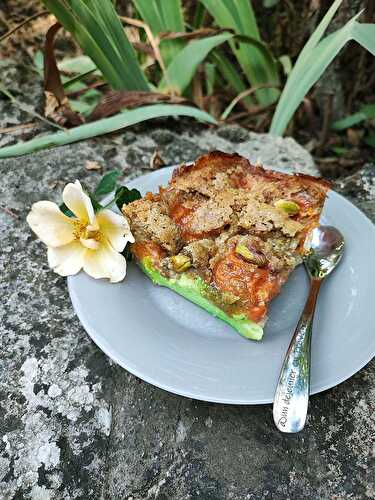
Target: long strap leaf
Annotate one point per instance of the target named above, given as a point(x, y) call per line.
point(364, 34)
point(319, 31)
point(238, 15)
point(104, 126)
point(314, 62)
point(97, 28)
point(163, 15)
point(184, 65)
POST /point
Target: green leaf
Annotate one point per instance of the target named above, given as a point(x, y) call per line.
point(198, 16)
point(70, 83)
point(98, 30)
point(95, 204)
point(364, 34)
point(270, 3)
point(39, 62)
point(104, 126)
point(210, 71)
point(239, 16)
point(82, 106)
point(370, 139)
point(366, 112)
point(183, 67)
point(79, 64)
point(310, 65)
point(124, 195)
point(348, 121)
point(161, 16)
point(339, 150)
point(230, 73)
point(107, 184)
point(316, 36)
point(286, 63)
point(127, 253)
point(65, 210)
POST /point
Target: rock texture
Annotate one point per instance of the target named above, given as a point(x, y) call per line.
point(75, 426)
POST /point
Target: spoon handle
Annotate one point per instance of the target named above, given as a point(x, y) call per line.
point(292, 392)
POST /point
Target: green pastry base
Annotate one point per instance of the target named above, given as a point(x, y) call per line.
point(193, 290)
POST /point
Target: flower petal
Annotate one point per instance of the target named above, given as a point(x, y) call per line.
point(50, 224)
point(90, 243)
point(115, 228)
point(68, 259)
point(78, 202)
point(105, 263)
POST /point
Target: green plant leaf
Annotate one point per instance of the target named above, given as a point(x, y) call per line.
point(270, 3)
point(310, 65)
point(70, 83)
point(283, 112)
point(348, 121)
point(316, 36)
point(364, 34)
point(339, 150)
point(239, 16)
point(98, 30)
point(104, 126)
point(198, 16)
point(286, 63)
point(230, 74)
point(65, 210)
point(161, 16)
point(82, 106)
point(370, 139)
point(210, 72)
point(183, 67)
point(124, 195)
point(365, 113)
point(95, 204)
point(107, 184)
point(39, 62)
point(79, 64)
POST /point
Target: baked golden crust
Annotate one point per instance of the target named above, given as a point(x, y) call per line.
point(221, 204)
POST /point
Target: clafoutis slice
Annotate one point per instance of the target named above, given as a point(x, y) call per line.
point(226, 235)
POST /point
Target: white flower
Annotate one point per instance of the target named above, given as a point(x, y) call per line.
point(88, 241)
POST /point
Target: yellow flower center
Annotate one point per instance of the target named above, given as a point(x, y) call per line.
point(79, 229)
point(82, 231)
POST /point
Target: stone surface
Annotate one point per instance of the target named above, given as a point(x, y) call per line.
point(75, 426)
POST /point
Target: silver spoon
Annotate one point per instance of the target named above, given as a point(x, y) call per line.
point(326, 246)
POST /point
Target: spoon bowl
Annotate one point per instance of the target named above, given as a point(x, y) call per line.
point(326, 247)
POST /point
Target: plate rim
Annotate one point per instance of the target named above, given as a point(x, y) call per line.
point(166, 387)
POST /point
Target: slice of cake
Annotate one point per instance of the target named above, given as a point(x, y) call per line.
point(226, 235)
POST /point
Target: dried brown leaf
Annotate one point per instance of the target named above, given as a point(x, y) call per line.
point(198, 90)
point(192, 35)
point(56, 103)
point(156, 160)
point(132, 33)
point(114, 101)
point(144, 48)
point(92, 165)
point(354, 136)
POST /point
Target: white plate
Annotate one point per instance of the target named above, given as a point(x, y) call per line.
point(171, 343)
